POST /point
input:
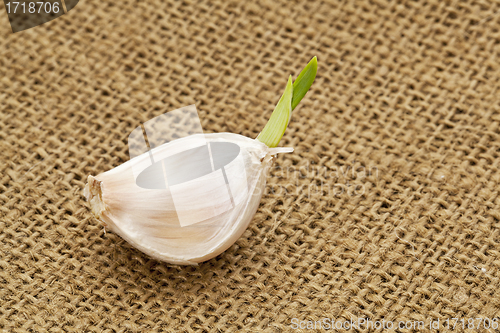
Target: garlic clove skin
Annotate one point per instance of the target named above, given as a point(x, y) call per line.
point(184, 221)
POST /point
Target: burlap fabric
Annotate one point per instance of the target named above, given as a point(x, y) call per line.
point(388, 209)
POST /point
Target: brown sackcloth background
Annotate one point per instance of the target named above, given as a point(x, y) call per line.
point(391, 209)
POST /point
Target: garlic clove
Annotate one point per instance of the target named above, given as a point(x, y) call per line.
point(185, 221)
point(198, 194)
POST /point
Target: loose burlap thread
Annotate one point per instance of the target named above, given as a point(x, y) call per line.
point(388, 208)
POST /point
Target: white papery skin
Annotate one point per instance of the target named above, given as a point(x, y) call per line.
point(148, 220)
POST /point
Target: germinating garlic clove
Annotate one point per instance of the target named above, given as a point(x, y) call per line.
point(188, 200)
point(196, 219)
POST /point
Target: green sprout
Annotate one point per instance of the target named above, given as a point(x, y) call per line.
point(277, 124)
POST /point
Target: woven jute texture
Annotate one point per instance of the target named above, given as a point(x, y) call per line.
point(388, 209)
